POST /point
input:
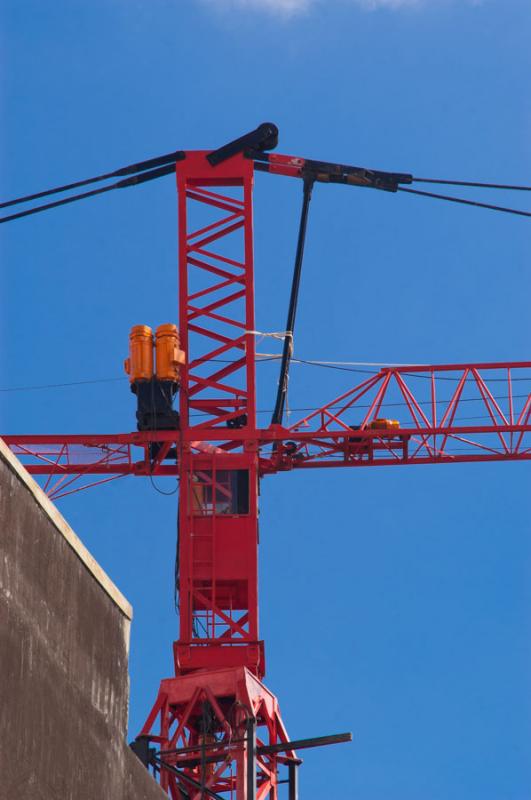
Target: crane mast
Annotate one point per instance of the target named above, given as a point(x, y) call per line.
point(218, 506)
point(216, 705)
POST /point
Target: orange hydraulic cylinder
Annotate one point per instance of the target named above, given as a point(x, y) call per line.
point(168, 353)
point(139, 365)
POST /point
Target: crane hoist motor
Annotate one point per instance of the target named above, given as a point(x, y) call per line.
point(154, 367)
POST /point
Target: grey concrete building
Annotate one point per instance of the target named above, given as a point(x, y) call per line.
point(64, 637)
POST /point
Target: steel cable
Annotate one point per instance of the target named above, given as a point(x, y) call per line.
point(143, 177)
point(461, 200)
point(476, 184)
point(140, 166)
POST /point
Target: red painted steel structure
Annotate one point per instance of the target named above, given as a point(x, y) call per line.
point(219, 658)
point(218, 506)
point(447, 414)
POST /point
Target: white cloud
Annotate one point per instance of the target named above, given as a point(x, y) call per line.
point(372, 5)
point(286, 8)
point(291, 8)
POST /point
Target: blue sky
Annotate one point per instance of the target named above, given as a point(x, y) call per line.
point(393, 603)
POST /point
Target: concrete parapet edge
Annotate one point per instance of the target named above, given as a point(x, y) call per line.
point(66, 531)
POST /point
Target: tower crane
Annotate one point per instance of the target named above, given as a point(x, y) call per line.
point(215, 730)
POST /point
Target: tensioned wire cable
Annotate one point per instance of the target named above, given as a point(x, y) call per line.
point(152, 168)
point(342, 366)
point(302, 409)
point(337, 366)
point(464, 202)
point(139, 166)
point(59, 385)
point(475, 184)
point(142, 177)
point(158, 173)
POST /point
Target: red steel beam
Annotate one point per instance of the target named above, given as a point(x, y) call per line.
point(341, 433)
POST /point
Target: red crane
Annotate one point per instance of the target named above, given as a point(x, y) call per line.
point(215, 730)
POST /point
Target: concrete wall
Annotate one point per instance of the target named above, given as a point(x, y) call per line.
point(64, 637)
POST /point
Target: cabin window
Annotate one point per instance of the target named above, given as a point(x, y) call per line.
point(220, 492)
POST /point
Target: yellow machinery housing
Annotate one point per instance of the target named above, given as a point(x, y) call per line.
point(155, 387)
point(384, 424)
point(139, 365)
point(169, 356)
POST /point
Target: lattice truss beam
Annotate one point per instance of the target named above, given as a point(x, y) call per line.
point(446, 414)
point(216, 296)
point(419, 414)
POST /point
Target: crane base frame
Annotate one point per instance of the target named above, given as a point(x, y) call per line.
point(243, 715)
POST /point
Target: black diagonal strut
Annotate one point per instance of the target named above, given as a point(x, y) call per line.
point(182, 776)
point(282, 390)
